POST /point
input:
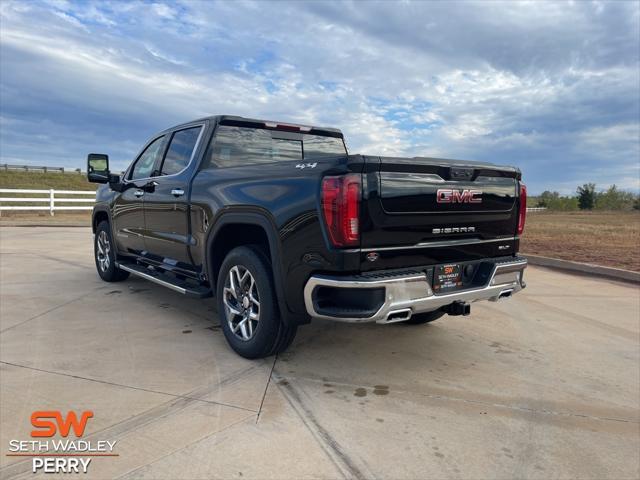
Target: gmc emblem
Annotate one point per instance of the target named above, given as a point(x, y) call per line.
point(446, 195)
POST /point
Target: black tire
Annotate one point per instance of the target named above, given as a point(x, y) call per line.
point(267, 335)
point(105, 255)
point(422, 318)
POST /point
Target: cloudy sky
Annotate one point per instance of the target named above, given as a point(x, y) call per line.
point(553, 88)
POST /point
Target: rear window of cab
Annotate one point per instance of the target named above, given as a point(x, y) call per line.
point(235, 146)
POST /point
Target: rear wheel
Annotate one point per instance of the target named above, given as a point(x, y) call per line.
point(105, 255)
point(420, 318)
point(247, 305)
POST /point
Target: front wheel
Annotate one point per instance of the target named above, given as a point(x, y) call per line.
point(105, 255)
point(247, 305)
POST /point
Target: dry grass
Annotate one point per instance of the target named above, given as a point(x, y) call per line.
point(603, 238)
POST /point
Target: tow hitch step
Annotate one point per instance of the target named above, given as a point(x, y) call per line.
point(166, 280)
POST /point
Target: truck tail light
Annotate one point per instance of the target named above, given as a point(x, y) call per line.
point(522, 216)
point(341, 209)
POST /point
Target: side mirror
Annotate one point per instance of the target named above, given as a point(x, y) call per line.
point(98, 168)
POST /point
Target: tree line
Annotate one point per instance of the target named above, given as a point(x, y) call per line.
point(587, 198)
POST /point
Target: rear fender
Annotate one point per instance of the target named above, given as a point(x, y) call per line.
point(260, 218)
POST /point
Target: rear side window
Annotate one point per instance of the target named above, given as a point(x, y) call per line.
point(235, 146)
point(143, 167)
point(183, 142)
point(318, 146)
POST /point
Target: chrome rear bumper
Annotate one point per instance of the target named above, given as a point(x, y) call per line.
point(410, 294)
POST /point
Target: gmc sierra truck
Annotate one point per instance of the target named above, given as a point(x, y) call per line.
point(281, 225)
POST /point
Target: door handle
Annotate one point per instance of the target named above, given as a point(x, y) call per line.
point(177, 192)
point(138, 193)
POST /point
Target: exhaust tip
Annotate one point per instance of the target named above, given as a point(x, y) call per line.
point(505, 294)
point(398, 315)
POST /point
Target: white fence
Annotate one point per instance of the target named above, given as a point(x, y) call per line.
point(536, 209)
point(34, 168)
point(49, 199)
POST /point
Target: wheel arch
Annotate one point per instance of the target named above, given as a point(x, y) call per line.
point(261, 229)
point(100, 214)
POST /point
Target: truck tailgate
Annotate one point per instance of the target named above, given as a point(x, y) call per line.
point(440, 210)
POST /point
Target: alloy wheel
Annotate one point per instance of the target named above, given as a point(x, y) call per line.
point(241, 302)
point(104, 248)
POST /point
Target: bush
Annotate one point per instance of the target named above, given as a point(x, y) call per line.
point(614, 199)
point(587, 196)
point(553, 201)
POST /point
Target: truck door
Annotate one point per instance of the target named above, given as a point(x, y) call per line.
point(166, 206)
point(128, 212)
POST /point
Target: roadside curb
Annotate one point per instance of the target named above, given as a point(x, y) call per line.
point(584, 268)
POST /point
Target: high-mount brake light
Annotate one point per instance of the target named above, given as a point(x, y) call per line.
point(341, 209)
point(522, 215)
point(287, 126)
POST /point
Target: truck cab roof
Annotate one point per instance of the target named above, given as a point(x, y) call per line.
point(258, 123)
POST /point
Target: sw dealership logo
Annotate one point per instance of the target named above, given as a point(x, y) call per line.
point(447, 195)
point(63, 455)
point(42, 421)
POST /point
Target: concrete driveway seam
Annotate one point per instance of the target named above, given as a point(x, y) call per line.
point(125, 427)
point(213, 402)
point(80, 297)
point(336, 453)
point(185, 447)
point(266, 387)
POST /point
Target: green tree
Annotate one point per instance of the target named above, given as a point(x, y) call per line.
point(547, 198)
point(554, 201)
point(587, 196)
point(614, 199)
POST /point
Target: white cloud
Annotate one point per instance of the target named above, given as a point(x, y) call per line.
point(163, 10)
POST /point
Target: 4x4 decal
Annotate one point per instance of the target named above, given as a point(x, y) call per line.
point(302, 166)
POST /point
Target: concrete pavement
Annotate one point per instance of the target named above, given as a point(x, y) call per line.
point(545, 385)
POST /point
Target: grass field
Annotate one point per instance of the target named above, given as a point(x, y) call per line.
point(603, 238)
point(36, 180)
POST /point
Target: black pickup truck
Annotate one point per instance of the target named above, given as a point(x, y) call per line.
point(282, 225)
